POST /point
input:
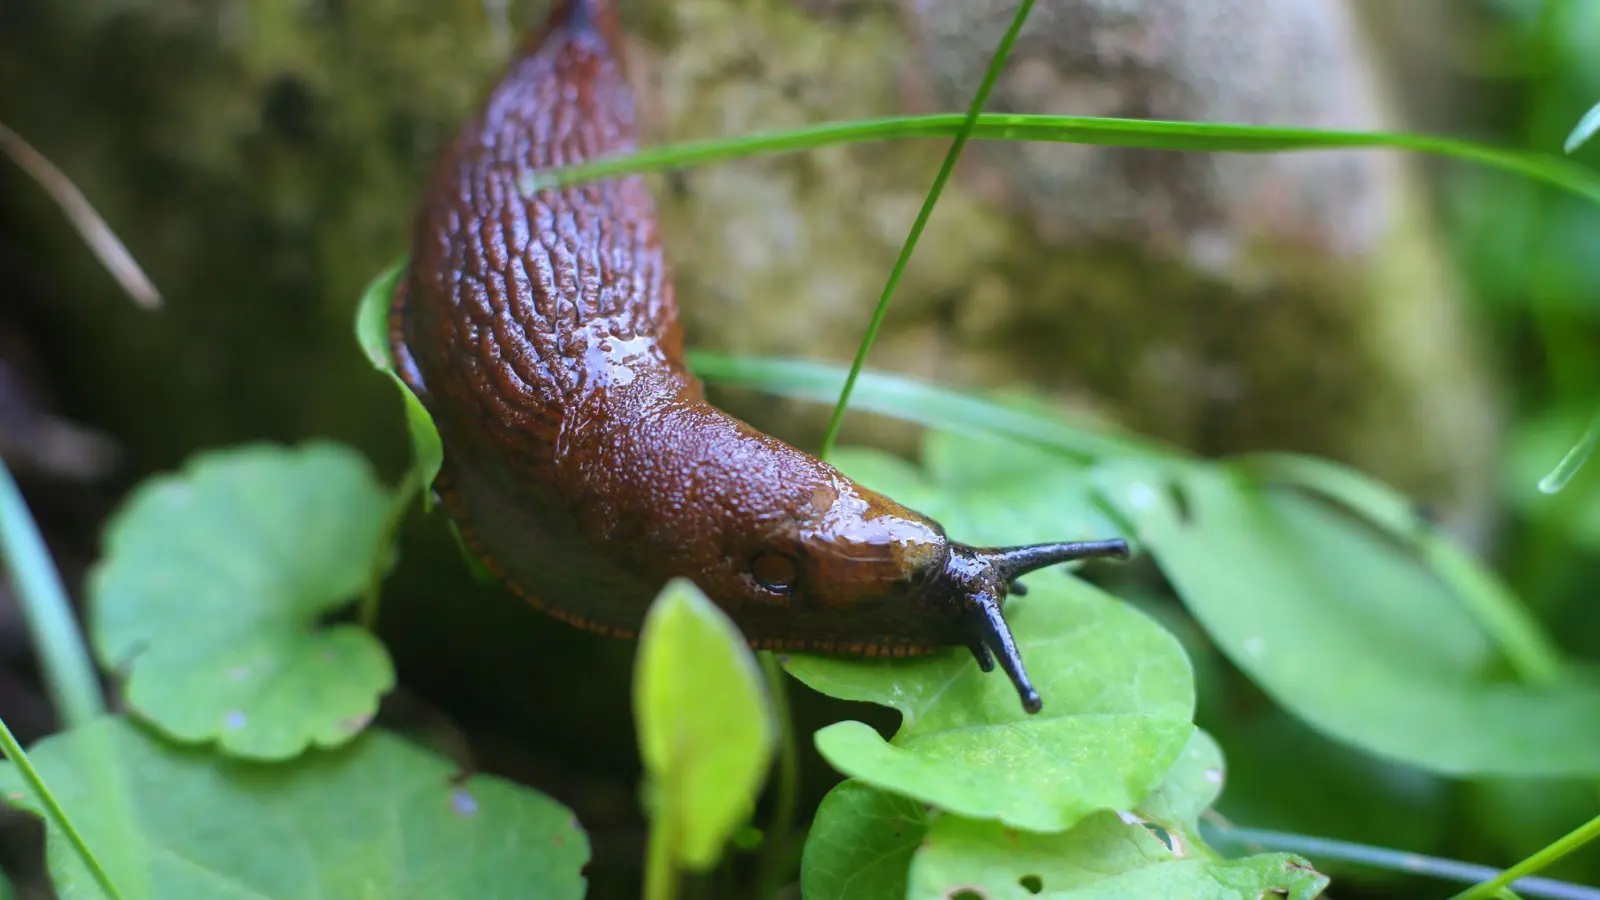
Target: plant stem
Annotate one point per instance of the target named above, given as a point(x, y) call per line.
point(1562, 846)
point(775, 854)
point(70, 679)
point(53, 810)
point(1389, 860)
point(371, 598)
point(996, 62)
point(660, 865)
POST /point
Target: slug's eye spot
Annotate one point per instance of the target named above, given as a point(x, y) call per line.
point(773, 571)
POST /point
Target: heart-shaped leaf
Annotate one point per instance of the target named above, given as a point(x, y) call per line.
point(1118, 699)
point(706, 725)
point(861, 844)
point(211, 589)
point(1348, 629)
point(379, 817)
point(1104, 856)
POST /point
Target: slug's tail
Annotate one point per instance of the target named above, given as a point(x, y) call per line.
point(578, 18)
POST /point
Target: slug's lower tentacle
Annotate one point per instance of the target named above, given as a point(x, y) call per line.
point(995, 635)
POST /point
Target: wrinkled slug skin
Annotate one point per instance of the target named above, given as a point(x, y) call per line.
point(583, 463)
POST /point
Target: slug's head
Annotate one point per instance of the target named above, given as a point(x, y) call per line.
point(973, 587)
point(862, 565)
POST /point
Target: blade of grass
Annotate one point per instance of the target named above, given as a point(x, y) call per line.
point(924, 404)
point(1569, 465)
point(70, 678)
point(1583, 131)
point(68, 673)
point(1388, 860)
point(1153, 134)
point(1503, 617)
point(30, 776)
point(1515, 877)
point(996, 62)
point(96, 233)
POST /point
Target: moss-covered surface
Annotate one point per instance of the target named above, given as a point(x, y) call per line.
point(1228, 303)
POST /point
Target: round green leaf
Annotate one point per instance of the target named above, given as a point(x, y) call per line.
point(379, 817)
point(1104, 856)
point(861, 844)
point(706, 726)
point(211, 589)
point(1348, 630)
point(1118, 700)
point(372, 332)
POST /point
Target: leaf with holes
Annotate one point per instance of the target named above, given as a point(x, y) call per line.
point(1104, 856)
point(212, 587)
point(706, 726)
point(378, 817)
point(1349, 630)
point(1118, 698)
point(861, 843)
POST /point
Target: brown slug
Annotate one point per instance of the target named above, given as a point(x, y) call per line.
point(583, 464)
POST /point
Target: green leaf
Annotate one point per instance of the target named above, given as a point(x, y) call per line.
point(987, 491)
point(1283, 775)
point(706, 727)
point(212, 585)
point(1495, 611)
point(1374, 501)
point(372, 332)
point(1190, 787)
point(1348, 631)
point(1118, 697)
point(925, 404)
point(379, 817)
point(1251, 878)
point(1104, 856)
point(861, 844)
